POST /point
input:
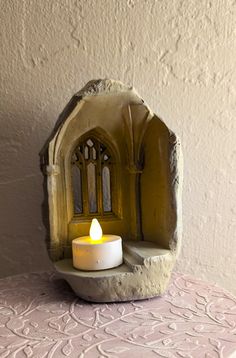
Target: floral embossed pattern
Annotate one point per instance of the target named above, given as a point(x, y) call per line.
point(41, 317)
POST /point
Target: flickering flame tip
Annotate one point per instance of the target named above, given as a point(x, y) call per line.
point(95, 231)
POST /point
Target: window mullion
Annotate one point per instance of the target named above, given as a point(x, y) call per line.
point(99, 181)
point(85, 186)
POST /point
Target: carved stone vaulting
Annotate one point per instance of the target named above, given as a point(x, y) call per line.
point(110, 157)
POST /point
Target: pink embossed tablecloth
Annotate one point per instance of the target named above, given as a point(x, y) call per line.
point(41, 317)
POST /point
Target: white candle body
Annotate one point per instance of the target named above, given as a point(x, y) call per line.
point(89, 255)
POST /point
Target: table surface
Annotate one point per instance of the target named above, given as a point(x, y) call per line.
point(41, 317)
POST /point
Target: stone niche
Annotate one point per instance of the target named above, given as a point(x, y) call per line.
point(110, 157)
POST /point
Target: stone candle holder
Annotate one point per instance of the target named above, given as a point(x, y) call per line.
point(110, 157)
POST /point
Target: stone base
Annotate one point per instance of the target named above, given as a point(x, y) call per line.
point(145, 273)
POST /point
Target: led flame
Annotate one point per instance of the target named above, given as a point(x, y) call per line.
point(95, 231)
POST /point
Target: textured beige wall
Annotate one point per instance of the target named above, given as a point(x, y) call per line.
point(180, 56)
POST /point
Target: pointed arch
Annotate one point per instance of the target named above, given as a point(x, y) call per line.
point(95, 189)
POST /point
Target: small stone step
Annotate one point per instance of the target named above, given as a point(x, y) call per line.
point(130, 260)
point(141, 251)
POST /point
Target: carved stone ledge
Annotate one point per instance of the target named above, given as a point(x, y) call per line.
point(145, 273)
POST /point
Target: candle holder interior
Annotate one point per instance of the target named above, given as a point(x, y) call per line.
point(110, 157)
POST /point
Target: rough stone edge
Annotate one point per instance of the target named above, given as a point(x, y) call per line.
point(100, 86)
point(143, 282)
point(176, 182)
point(92, 88)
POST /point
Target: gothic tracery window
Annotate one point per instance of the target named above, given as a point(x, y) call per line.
point(92, 178)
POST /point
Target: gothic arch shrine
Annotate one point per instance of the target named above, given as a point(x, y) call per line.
point(112, 158)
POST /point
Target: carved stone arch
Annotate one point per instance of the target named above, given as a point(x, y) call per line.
point(103, 136)
point(100, 137)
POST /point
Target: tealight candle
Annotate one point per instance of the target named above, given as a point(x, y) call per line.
point(97, 251)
